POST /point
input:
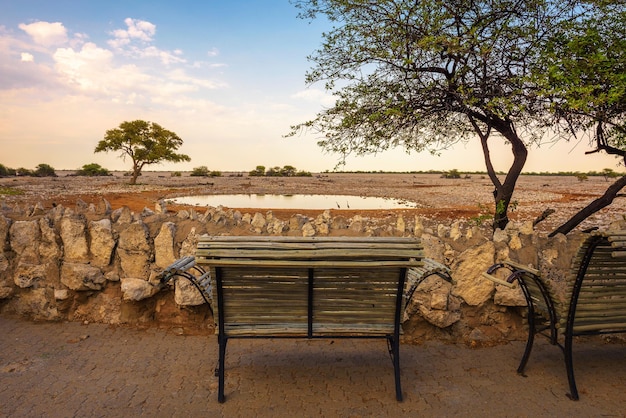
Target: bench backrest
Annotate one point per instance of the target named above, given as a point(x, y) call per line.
point(310, 287)
point(597, 285)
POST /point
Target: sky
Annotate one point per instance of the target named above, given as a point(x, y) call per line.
point(228, 77)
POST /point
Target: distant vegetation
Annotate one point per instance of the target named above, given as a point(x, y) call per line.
point(286, 171)
point(203, 171)
point(93, 170)
point(42, 170)
point(607, 173)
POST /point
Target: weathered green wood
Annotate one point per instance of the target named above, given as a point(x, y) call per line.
point(265, 283)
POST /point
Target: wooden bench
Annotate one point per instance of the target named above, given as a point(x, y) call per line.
point(315, 287)
point(595, 301)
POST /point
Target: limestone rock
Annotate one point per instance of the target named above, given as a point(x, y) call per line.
point(308, 230)
point(38, 304)
point(134, 250)
point(27, 275)
point(4, 231)
point(78, 276)
point(25, 237)
point(506, 296)
point(185, 293)
point(400, 224)
point(418, 229)
point(432, 299)
point(49, 248)
point(101, 242)
point(275, 226)
point(74, 236)
point(190, 243)
point(164, 245)
point(470, 285)
point(258, 222)
point(137, 289)
point(500, 235)
point(356, 224)
point(160, 207)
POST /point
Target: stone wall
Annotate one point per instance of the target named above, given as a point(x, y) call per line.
point(91, 263)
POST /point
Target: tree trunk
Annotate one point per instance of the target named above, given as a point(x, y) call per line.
point(503, 192)
point(601, 202)
point(136, 172)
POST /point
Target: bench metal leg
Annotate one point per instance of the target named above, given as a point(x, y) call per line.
point(394, 350)
point(569, 365)
point(220, 370)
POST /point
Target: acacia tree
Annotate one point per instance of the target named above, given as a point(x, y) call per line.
point(144, 142)
point(425, 74)
point(583, 73)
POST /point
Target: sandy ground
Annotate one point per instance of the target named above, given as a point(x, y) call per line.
point(95, 370)
point(434, 197)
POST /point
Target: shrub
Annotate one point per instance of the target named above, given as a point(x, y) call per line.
point(44, 170)
point(176, 174)
point(452, 174)
point(92, 170)
point(258, 171)
point(5, 172)
point(23, 172)
point(581, 176)
point(201, 171)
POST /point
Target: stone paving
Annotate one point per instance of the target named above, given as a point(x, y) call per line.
point(95, 370)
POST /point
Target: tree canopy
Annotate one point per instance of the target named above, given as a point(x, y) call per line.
point(144, 142)
point(582, 72)
point(425, 74)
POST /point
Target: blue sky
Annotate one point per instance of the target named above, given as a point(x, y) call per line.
point(226, 76)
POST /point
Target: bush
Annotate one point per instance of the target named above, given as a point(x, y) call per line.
point(452, 174)
point(258, 171)
point(201, 171)
point(23, 172)
point(176, 174)
point(93, 170)
point(44, 170)
point(5, 172)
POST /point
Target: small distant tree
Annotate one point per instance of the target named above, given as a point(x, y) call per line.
point(44, 170)
point(288, 171)
point(144, 142)
point(93, 170)
point(608, 173)
point(259, 171)
point(202, 171)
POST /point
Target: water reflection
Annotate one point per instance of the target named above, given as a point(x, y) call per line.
point(295, 201)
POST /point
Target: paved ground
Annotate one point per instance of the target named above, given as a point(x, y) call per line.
point(76, 370)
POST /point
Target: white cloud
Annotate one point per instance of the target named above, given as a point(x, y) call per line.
point(315, 96)
point(136, 29)
point(181, 76)
point(166, 57)
point(213, 52)
point(91, 69)
point(26, 57)
point(46, 33)
point(132, 42)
